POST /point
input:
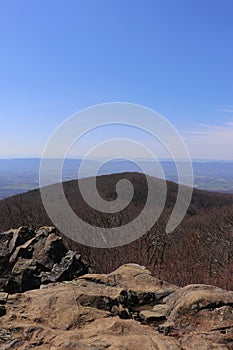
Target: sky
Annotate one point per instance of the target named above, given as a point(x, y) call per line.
point(58, 57)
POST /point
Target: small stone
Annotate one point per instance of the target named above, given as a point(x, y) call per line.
point(150, 315)
point(3, 297)
point(115, 310)
point(160, 310)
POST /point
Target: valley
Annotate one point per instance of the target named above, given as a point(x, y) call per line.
point(21, 175)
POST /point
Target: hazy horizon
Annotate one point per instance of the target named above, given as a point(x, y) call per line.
point(132, 159)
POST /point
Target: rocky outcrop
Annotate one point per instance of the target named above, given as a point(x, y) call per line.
point(128, 309)
point(30, 258)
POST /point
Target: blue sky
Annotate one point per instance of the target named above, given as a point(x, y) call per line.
point(58, 57)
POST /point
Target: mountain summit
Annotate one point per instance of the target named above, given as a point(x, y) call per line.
point(200, 250)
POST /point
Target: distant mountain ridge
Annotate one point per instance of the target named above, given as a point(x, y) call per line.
point(21, 175)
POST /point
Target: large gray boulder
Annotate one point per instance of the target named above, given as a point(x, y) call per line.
point(29, 258)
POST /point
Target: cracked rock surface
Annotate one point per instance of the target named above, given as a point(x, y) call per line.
point(128, 309)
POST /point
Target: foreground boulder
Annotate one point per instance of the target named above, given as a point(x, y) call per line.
point(128, 309)
point(30, 258)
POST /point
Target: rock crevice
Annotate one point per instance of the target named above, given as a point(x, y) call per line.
point(127, 309)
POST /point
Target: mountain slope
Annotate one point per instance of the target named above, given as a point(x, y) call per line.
point(200, 250)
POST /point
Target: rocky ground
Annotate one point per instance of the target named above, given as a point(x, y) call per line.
point(128, 309)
